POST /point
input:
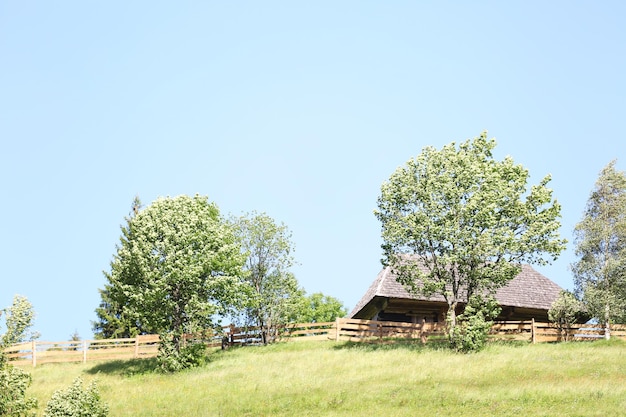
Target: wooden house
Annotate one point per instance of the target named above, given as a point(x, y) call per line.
point(528, 296)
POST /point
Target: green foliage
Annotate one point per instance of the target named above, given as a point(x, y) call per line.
point(600, 239)
point(19, 321)
point(177, 268)
point(455, 222)
point(565, 311)
point(320, 308)
point(112, 321)
point(172, 359)
point(474, 324)
point(275, 291)
point(75, 337)
point(77, 401)
point(13, 385)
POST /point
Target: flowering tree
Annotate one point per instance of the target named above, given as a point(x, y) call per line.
point(458, 223)
point(177, 267)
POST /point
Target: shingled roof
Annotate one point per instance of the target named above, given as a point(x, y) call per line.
point(529, 289)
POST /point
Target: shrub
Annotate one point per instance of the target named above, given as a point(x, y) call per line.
point(470, 334)
point(171, 359)
point(77, 402)
point(565, 311)
point(13, 384)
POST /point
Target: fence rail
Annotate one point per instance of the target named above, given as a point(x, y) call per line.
point(354, 330)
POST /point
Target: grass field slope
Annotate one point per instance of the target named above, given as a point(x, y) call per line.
point(342, 379)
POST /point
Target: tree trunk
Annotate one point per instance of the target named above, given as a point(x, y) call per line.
point(452, 320)
point(607, 321)
point(263, 330)
point(178, 321)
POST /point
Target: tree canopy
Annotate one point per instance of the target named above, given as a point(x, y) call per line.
point(269, 250)
point(458, 223)
point(177, 266)
point(600, 239)
point(320, 308)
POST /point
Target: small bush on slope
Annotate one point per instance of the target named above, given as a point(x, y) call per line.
point(77, 402)
point(13, 384)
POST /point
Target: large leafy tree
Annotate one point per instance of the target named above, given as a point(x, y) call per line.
point(269, 256)
point(177, 267)
point(458, 223)
point(600, 239)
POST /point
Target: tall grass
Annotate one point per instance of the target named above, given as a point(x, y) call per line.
point(317, 379)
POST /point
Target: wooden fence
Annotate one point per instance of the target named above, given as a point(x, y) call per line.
point(536, 332)
point(145, 346)
point(355, 330)
point(37, 352)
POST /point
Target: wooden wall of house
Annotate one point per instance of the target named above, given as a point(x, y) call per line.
point(411, 311)
point(522, 314)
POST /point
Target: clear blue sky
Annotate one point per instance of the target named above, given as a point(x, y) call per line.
point(297, 109)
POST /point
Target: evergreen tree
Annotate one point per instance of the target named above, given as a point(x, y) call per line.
point(112, 323)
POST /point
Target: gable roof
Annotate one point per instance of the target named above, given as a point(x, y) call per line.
point(529, 289)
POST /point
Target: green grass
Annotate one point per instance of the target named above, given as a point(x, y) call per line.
point(319, 379)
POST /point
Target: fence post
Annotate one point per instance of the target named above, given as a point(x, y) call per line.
point(337, 329)
point(34, 349)
point(84, 351)
point(533, 331)
point(231, 338)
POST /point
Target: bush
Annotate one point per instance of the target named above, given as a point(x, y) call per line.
point(13, 384)
point(565, 311)
point(171, 359)
point(77, 402)
point(474, 324)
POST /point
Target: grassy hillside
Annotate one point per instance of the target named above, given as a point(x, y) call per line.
point(318, 379)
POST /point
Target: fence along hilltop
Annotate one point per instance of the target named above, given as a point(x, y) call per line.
point(342, 329)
